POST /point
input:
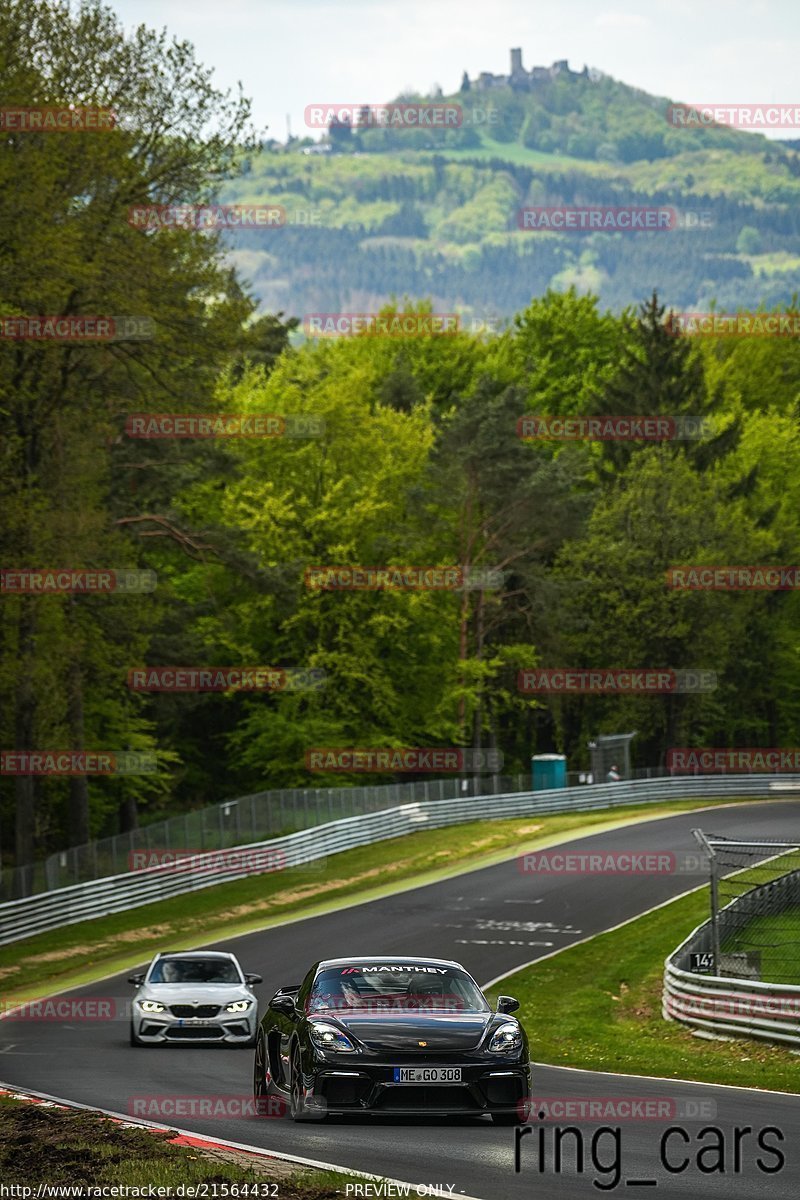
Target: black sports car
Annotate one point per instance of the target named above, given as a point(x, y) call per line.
point(391, 1035)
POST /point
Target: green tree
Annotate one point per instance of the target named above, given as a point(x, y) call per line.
point(748, 241)
point(661, 373)
point(67, 247)
point(617, 611)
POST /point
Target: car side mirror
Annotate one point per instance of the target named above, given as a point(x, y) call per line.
point(137, 980)
point(507, 1004)
point(253, 979)
point(283, 1004)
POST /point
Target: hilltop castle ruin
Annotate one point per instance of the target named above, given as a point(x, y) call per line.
point(523, 80)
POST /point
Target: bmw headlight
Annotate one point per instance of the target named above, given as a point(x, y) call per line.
point(238, 1006)
point(328, 1037)
point(505, 1039)
point(151, 1006)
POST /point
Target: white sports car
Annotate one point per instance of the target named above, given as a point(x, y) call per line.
point(194, 996)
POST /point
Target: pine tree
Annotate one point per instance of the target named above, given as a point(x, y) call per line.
point(662, 374)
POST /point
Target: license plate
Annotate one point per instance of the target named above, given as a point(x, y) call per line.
point(427, 1074)
point(194, 1021)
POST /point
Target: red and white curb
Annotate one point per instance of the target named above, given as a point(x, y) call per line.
point(185, 1137)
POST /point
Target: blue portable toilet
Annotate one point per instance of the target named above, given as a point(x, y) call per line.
point(548, 771)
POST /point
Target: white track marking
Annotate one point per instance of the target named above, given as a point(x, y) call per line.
point(125, 1119)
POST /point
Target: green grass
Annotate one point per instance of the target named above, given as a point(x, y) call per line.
point(90, 950)
point(65, 1147)
point(777, 938)
point(606, 995)
point(518, 155)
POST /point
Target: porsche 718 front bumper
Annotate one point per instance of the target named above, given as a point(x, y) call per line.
point(483, 1088)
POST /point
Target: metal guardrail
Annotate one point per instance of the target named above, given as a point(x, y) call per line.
point(240, 820)
point(732, 1007)
point(243, 820)
point(726, 1005)
point(101, 897)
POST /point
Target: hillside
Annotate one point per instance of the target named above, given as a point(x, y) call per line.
point(434, 212)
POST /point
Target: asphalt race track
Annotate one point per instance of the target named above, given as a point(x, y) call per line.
point(492, 920)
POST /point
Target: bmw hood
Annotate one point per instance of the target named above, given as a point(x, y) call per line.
point(194, 993)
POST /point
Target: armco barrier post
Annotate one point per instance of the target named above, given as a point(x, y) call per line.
point(701, 838)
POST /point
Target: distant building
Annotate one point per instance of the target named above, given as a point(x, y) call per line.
point(486, 80)
point(523, 80)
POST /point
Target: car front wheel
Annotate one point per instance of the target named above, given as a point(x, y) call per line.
point(260, 1069)
point(298, 1109)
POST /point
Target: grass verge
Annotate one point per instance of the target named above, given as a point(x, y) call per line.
point(776, 938)
point(607, 996)
point(90, 950)
point(70, 1147)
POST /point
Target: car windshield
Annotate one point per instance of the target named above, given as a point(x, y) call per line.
point(194, 970)
point(390, 988)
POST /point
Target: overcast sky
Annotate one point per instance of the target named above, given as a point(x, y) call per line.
point(290, 53)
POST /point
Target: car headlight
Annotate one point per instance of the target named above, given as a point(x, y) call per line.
point(238, 1006)
point(505, 1039)
point(328, 1037)
point(151, 1006)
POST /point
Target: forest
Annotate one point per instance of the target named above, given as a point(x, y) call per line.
point(379, 452)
